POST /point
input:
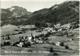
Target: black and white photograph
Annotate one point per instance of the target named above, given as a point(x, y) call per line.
point(39, 27)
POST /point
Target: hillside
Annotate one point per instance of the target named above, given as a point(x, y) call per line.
point(60, 13)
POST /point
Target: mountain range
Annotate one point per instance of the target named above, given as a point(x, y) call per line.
point(63, 13)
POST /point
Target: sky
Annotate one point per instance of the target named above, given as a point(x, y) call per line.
point(30, 5)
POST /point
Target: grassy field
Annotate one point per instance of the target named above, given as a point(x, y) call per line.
point(44, 49)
